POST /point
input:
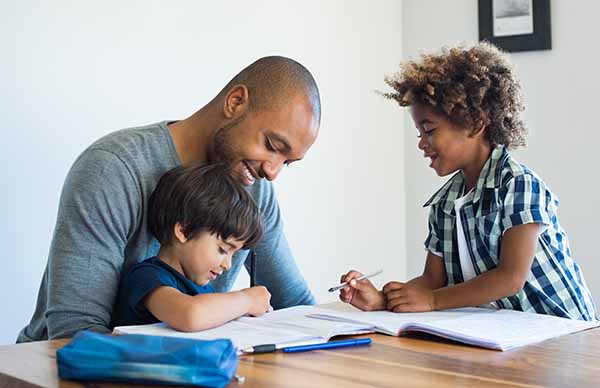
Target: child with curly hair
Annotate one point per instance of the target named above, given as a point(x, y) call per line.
point(494, 236)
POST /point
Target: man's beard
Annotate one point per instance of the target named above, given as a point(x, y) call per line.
point(220, 150)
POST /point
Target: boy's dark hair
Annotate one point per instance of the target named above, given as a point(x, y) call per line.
point(472, 86)
point(203, 199)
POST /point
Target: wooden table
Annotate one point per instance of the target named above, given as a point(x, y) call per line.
point(412, 361)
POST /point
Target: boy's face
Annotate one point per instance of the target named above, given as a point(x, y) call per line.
point(449, 147)
point(206, 256)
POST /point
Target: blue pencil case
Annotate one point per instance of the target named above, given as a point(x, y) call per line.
point(145, 359)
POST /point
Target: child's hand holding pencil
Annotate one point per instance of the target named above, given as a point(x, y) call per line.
point(357, 290)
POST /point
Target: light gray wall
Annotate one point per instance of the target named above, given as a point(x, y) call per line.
point(561, 93)
point(73, 71)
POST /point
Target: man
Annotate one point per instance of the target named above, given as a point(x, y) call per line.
point(266, 117)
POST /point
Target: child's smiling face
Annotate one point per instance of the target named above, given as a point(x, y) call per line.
point(449, 147)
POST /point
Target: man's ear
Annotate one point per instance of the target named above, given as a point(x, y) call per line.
point(236, 102)
point(179, 235)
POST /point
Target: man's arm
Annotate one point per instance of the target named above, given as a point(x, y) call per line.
point(98, 209)
point(275, 264)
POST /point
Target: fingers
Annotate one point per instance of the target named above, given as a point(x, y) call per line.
point(362, 285)
point(352, 274)
point(261, 311)
point(397, 301)
point(402, 308)
point(395, 294)
point(391, 286)
point(407, 307)
point(408, 300)
point(346, 294)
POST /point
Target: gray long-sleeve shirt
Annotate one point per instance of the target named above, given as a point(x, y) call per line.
point(101, 230)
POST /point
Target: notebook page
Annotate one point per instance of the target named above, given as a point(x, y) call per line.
point(504, 329)
point(317, 327)
point(299, 319)
point(393, 323)
point(242, 334)
point(283, 314)
point(278, 327)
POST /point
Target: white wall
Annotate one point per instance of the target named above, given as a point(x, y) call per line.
point(73, 71)
point(561, 90)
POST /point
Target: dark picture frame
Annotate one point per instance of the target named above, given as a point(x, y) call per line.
point(520, 26)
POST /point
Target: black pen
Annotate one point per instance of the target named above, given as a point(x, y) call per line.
point(270, 348)
point(252, 268)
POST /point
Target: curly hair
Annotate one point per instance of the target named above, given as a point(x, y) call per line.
point(472, 86)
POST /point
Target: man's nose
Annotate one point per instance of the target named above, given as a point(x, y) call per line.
point(272, 169)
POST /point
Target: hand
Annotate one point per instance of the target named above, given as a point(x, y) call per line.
point(259, 300)
point(361, 294)
point(408, 298)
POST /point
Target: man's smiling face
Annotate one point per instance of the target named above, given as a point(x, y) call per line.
point(258, 144)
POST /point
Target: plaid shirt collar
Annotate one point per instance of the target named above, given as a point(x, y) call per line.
point(489, 178)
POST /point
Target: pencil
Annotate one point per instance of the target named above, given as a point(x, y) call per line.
point(345, 284)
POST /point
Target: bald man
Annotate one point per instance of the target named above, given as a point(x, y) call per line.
point(266, 117)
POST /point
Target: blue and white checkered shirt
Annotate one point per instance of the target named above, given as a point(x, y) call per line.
point(509, 194)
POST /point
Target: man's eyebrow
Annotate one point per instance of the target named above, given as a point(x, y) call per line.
point(281, 139)
point(425, 121)
point(287, 148)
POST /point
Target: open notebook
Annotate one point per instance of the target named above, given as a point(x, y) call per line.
point(494, 329)
point(285, 327)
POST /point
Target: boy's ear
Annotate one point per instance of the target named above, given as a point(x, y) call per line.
point(179, 235)
point(478, 132)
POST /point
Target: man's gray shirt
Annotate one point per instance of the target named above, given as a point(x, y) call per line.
point(101, 230)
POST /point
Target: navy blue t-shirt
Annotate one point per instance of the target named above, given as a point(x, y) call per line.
point(142, 279)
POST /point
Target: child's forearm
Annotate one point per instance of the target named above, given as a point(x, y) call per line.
point(205, 311)
point(434, 274)
point(487, 287)
point(425, 282)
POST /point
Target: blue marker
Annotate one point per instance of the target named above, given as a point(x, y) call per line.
point(328, 345)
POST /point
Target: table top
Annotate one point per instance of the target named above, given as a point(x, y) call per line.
point(415, 360)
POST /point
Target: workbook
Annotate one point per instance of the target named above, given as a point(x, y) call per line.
point(488, 328)
point(285, 327)
point(501, 329)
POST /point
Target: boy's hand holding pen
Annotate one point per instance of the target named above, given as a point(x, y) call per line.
point(357, 290)
point(259, 300)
